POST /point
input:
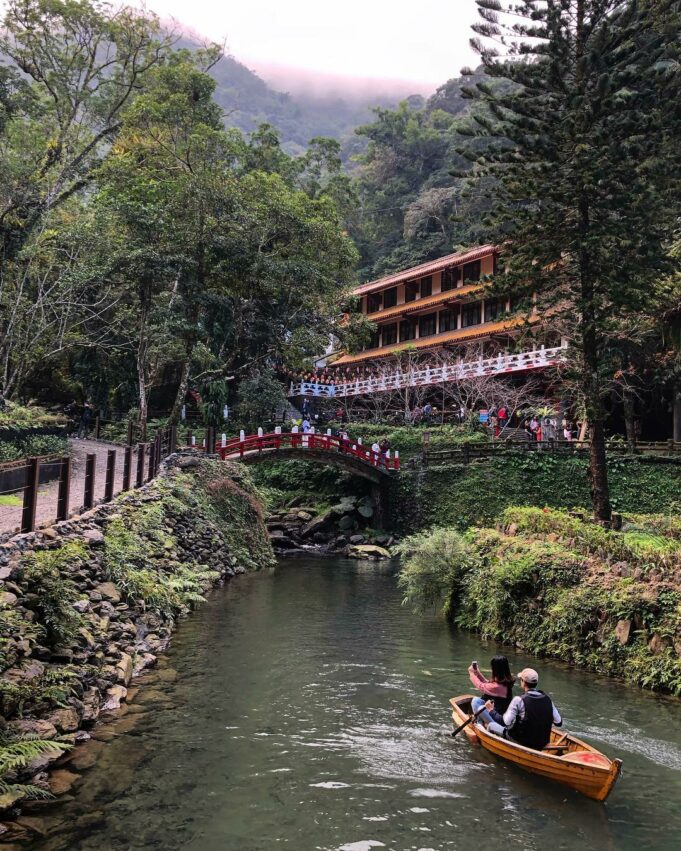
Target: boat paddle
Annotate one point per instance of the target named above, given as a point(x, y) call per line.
point(467, 722)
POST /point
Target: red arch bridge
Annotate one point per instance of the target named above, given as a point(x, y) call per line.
point(327, 448)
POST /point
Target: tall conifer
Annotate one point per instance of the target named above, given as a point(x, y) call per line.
point(582, 122)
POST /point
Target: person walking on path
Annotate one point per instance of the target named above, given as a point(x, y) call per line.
point(85, 419)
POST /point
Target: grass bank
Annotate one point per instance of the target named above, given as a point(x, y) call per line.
point(558, 585)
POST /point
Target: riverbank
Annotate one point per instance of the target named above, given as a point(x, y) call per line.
point(88, 604)
point(554, 584)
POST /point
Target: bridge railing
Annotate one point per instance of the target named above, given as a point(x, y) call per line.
point(243, 445)
point(501, 364)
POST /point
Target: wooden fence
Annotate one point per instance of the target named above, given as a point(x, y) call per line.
point(467, 452)
point(137, 464)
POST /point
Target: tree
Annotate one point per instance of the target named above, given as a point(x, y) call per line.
point(585, 169)
point(86, 61)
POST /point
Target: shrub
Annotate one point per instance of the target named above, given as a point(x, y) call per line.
point(16, 754)
point(434, 563)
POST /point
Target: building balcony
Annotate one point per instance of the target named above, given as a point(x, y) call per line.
point(399, 379)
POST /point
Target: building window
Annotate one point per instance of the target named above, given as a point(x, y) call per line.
point(389, 334)
point(375, 339)
point(493, 309)
point(447, 321)
point(470, 314)
point(390, 297)
point(471, 271)
point(411, 290)
point(373, 302)
point(451, 278)
point(426, 286)
point(427, 325)
point(407, 330)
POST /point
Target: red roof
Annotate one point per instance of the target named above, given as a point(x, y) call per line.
point(425, 269)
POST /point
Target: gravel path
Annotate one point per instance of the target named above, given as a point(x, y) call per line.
point(10, 515)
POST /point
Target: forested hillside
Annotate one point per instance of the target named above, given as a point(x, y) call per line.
point(248, 102)
point(411, 206)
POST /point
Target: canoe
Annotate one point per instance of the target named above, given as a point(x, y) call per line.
point(566, 759)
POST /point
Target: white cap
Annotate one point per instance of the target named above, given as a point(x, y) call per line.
point(529, 676)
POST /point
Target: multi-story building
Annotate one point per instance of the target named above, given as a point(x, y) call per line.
point(439, 306)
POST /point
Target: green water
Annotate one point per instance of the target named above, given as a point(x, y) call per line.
point(305, 708)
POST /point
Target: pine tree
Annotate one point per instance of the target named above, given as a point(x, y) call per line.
point(581, 116)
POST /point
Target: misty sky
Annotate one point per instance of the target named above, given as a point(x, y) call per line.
point(420, 41)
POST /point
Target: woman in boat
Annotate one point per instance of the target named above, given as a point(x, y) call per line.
point(499, 689)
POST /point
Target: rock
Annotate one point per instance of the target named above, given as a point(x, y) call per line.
point(109, 592)
point(62, 780)
point(7, 598)
point(6, 572)
point(319, 524)
point(65, 720)
point(512, 529)
point(368, 551)
point(346, 523)
point(87, 637)
point(91, 702)
point(82, 606)
point(29, 671)
point(623, 631)
point(125, 668)
point(86, 755)
point(657, 644)
point(188, 463)
point(93, 537)
point(9, 799)
point(305, 516)
point(50, 534)
point(114, 696)
point(33, 727)
point(383, 540)
point(356, 539)
point(366, 508)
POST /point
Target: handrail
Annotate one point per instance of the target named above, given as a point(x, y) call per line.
point(308, 441)
point(500, 364)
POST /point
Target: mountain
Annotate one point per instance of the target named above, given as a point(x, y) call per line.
point(249, 101)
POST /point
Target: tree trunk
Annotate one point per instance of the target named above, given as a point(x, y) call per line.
point(629, 420)
point(676, 412)
point(181, 392)
point(598, 473)
point(142, 348)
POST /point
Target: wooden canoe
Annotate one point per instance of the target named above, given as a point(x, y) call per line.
point(566, 759)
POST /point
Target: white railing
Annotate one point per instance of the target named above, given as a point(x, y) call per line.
point(502, 364)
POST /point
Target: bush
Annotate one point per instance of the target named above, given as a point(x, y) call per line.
point(434, 564)
point(33, 445)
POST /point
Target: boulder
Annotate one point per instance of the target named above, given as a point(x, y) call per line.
point(356, 539)
point(91, 703)
point(65, 720)
point(319, 524)
point(657, 644)
point(367, 551)
point(125, 668)
point(623, 631)
point(114, 697)
point(305, 516)
point(30, 670)
point(7, 598)
point(93, 537)
point(109, 592)
point(62, 780)
point(37, 727)
point(366, 508)
point(346, 523)
point(82, 606)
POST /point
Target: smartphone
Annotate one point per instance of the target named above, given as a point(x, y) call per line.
point(474, 664)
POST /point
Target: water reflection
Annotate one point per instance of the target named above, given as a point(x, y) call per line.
point(306, 708)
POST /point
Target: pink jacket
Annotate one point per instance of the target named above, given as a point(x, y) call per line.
point(483, 685)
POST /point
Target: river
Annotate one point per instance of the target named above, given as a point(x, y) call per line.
point(306, 708)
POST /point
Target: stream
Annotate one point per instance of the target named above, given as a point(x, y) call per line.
point(306, 708)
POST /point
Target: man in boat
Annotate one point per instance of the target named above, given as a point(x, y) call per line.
point(529, 718)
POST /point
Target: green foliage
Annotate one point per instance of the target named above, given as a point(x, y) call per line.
point(408, 440)
point(550, 588)
point(233, 504)
point(14, 415)
point(434, 564)
point(33, 445)
point(44, 571)
point(475, 494)
point(136, 558)
point(42, 693)
point(16, 754)
point(257, 398)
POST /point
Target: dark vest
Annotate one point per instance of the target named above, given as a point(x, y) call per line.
point(501, 704)
point(534, 730)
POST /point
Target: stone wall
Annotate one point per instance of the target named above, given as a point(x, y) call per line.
point(88, 604)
